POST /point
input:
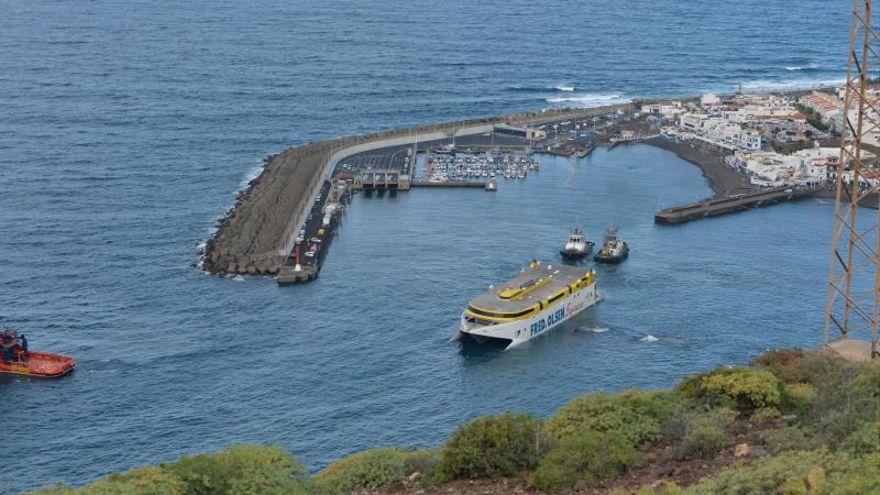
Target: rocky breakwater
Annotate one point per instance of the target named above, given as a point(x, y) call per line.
point(254, 236)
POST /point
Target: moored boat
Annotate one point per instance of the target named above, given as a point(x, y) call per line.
point(613, 249)
point(577, 247)
point(541, 297)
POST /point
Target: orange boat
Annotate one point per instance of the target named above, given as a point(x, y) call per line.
point(41, 365)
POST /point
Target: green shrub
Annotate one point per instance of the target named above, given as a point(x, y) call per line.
point(812, 367)
point(634, 416)
point(797, 398)
point(364, 470)
point(865, 440)
point(147, 481)
point(421, 461)
point(778, 360)
point(586, 455)
point(791, 473)
point(704, 437)
point(668, 488)
point(698, 432)
point(748, 389)
point(789, 438)
point(765, 414)
point(867, 388)
point(239, 470)
point(57, 489)
point(855, 475)
point(492, 446)
point(844, 401)
point(151, 480)
point(787, 473)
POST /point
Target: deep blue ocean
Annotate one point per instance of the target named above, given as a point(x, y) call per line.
point(126, 129)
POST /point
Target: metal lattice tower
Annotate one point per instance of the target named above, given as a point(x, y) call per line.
point(854, 277)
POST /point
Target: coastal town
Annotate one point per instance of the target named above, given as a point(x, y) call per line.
point(774, 140)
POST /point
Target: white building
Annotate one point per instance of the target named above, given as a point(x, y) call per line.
point(828, 107)
point(709, 100)
point(806, 167)
point(667, 111)
point(719, 131)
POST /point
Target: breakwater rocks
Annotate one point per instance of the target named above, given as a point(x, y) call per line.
point(255, 234)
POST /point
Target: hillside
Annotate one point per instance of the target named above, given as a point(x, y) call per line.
point(791, 422)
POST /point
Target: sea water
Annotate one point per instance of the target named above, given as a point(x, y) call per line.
point(126, 129)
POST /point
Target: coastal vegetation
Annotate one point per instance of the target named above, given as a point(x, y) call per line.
point(813, 117)
point(790, 422)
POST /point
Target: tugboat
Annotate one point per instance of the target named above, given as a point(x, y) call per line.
point(16, 359)
point(613, 249)
point(577, 247)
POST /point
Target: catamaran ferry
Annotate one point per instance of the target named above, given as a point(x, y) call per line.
point(540, 298)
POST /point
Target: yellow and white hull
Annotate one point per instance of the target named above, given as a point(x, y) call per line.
point(522, 330)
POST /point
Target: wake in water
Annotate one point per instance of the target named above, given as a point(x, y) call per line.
point(569, 182)
point(591, 329)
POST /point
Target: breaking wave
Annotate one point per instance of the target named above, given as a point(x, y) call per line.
point(795, 68)
point(590, 99)
point(567, 88)
point(649, 338)
point(772, 85)
point(250, 175)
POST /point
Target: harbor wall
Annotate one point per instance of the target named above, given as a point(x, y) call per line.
point(338, 156)
point(257, 232)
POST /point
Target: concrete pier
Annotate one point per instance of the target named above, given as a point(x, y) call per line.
point(453, 184)
point(731, 204)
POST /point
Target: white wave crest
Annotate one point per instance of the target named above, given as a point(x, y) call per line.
point(249, 176)
point(795, 68)
point(588, 100)
point(772, 85)
point(564, 88)
point(649, 338)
